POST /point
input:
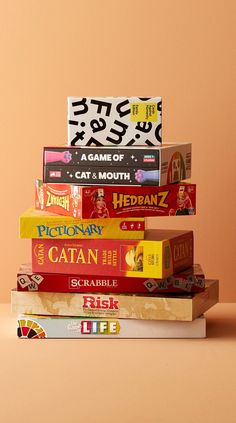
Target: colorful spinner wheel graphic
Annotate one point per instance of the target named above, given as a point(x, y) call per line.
point(30, 329)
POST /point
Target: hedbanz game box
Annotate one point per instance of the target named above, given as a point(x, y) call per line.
point(153, 307)
point(42, 327)
point(41, 224)
point(155, 166)
point(109, 201)
point(190, 280)
point(114, 121)
point(161, 254)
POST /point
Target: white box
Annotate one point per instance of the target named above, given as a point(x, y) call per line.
point(114, 121)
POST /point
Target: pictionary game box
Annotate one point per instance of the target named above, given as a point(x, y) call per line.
point(41, 224)
point(109, 201)
point(155, 166)
point(42, 327)
point(114, 121)
point(161, 254)
point(96, 271)
point(153, 307)
point(190, 280)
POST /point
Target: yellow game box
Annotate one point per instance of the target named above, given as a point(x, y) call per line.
point(44, 225)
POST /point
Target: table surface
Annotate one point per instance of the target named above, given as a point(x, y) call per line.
point(120, 380)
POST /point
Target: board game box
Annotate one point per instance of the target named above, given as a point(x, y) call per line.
point(153, 166)
point(161, 254)
point(44, 225)
point(123, 306)
point(114, 121)
point(190, 280)
point(108, 201)
point(42, 327)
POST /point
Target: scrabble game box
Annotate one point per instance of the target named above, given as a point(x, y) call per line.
point(43, 225)
point(114, 121)
point(108, 201)
point(125, 306)
point(190, 280)
point(153, 166)
point(42, 327)
point(161, 254)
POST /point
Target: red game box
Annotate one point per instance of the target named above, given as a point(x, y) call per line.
point(161, 254)
point(115, 201)
point(190, 280)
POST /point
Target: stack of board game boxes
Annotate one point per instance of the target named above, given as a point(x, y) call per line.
point(96, 271)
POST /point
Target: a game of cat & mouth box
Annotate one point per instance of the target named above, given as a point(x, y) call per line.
point(155, 166)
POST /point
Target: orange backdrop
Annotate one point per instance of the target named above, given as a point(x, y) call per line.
point(181, 50)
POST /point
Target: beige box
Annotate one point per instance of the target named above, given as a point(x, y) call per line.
point(182, 308)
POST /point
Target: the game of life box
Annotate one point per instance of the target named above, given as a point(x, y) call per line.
point(43, 327)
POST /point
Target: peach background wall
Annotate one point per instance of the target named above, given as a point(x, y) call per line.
point(181, 50)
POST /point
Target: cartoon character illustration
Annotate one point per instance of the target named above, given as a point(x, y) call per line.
point(57, 156)
point(184, 203)
point(176, 170)
point(143, 176)
point(39, 195)
point(134, 259)
point(100, 209)
point(75, 196)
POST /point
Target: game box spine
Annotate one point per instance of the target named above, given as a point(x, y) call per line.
point(158, 307)
point(41, 327)
point(120, 201)
point(191, 280)
point(41, 225)
point(135, 258)
point(167, 164)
